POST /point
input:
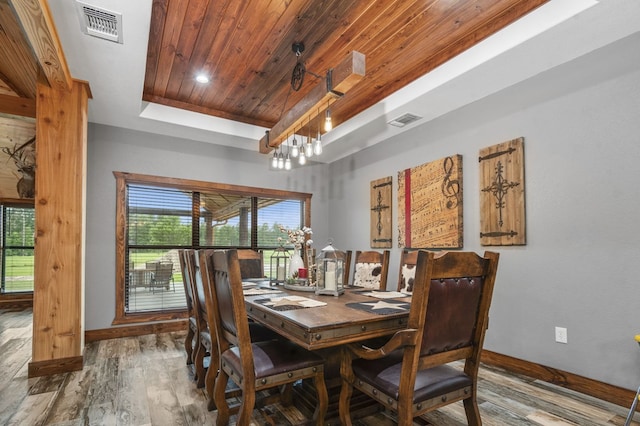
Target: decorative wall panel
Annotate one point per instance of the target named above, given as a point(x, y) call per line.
point(502, 200)
point(430, 205)
point(381, 228)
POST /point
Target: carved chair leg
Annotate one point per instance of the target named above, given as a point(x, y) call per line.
point(199, 362)
point(472, 411)
point(188, 345)
point(209, 382)
point(248, 403)
point(220, 399)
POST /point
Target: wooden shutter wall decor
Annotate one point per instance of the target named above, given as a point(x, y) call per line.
point(381, 229)
point(502, 199)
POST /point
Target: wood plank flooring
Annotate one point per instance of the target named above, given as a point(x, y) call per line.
point(144, 381)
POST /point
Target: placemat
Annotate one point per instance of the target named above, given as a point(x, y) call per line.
point(288, 303)
point(383, 294)
point(382, 307)
point(256, 291)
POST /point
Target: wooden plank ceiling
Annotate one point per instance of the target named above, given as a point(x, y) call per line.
point(245, 47)
point(28, 47)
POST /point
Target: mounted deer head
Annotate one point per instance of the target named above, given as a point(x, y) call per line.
point(24, 159)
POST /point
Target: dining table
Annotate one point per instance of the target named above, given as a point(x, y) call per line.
point(325, 323)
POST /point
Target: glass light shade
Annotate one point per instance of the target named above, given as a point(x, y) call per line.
point(302, 160)
point(328, 124)
point(274, 161)
point(287, 163)
point(308, 149)
point(280, 161)
point(317, 147)
point(294, 148)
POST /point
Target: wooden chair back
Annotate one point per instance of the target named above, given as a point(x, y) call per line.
point(348, 255)
point(370, 269)
point(447, 322)
point(276, 362)
point(203, 346)
point(251, 263)
point(407, 272)
point(190, 340)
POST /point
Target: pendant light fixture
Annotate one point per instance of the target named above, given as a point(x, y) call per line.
point(308, 148)
point(317, 145)
point(274, 160)
point(328, 124)
point(280, 159)
point(294, 149)
point(287, 161)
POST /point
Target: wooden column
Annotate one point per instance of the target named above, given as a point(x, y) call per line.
point(58, 302)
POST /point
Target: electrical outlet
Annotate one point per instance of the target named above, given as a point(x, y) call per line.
point(561, 335)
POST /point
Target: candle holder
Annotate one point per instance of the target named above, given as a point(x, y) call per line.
point(278, 266)
point(330, 266)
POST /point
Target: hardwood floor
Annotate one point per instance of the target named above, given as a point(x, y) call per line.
point(144, 381)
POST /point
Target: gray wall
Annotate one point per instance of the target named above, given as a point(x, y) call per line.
point(579, 268)
point(115, 149)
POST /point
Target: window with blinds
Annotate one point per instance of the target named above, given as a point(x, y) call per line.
point(16, 248)
point(163, 216)
point(159, 223)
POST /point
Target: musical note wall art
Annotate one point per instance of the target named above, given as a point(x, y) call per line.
point(430, 205)
point(381, 213)
point(502, 202)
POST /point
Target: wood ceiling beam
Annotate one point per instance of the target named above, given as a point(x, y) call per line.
point(14, 105)
point(40, 31)
point(346, 75)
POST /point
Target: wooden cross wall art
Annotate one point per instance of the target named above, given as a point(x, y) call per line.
point(430, 205)
point(502, 201)
point(381, 228)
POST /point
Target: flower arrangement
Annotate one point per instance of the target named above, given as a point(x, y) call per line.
point(296, 237)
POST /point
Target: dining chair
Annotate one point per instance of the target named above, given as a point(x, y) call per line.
point(253, 366)
point(447, 322)
point(251, 263)
point(192, 330)
point(257, 332)
point(370, 269)
point(348, 254)
point(204, 344)
point(407, 271)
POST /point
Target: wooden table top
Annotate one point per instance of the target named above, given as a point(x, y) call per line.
point(326, 326)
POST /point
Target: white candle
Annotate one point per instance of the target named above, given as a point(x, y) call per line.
point(280, 274)
point(330, 277)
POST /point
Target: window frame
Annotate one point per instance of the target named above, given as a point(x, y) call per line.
point(124, 178)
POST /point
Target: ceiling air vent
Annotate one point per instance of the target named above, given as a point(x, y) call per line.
point(404, 119)
point(99, 22)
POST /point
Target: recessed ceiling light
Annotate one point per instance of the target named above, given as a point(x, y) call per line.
point(201, 78)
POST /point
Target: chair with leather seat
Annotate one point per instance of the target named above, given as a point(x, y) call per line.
point(253, 366)
point(257, 332)
point(447, 321)
point(192, 330)
point(370, 269)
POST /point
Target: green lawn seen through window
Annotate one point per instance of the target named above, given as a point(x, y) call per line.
point(18, 274)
